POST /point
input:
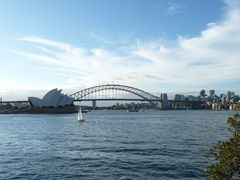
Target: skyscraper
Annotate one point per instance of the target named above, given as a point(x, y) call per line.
point(211, 93)
point(202, 93)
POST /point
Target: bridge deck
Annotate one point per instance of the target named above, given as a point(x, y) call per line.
point(126, 99)
point(21, 101)
point(109, 99)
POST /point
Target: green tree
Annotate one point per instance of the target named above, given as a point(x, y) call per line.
point(226, 154)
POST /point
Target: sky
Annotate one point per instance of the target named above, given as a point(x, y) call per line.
point(154, 45)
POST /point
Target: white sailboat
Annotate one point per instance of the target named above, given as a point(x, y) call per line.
point(79, 116)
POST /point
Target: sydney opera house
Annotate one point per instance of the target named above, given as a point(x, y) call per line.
point(53, 98)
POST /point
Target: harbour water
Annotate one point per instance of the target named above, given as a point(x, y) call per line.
point(109, 144)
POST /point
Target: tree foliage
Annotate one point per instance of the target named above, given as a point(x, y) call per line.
point(226, 154)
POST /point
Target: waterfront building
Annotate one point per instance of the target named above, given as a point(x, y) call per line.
point(215, 98)
point(192, 98)
point(189, 98)
point(179, 97)
point(222, 95)
point(53, 98)
point(216, 106)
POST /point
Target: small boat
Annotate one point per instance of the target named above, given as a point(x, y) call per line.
point(133, 110)
point(79, 116)
point(85, 111)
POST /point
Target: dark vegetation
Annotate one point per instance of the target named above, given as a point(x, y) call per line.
point(226, 154)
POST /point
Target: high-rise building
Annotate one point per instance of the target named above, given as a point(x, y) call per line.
point(211, 93)
point(202, 93)
point(179, 97)
point(230, 95)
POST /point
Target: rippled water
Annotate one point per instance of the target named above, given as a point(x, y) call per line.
point(109, 144)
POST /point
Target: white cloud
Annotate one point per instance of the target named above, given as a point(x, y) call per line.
point(212, 57)
point(232, 4)
point(100, 38)
point(39, 57)
point(174, 8)
point(90, 66)
point(57, 44)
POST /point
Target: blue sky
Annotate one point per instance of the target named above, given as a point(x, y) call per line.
point(156, 45)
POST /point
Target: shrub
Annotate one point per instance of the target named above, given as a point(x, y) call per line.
point(226, 154)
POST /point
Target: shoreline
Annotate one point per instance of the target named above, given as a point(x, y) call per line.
point(69, 110)
point(59, 110)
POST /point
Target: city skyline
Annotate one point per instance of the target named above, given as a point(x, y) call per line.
point(154, 45)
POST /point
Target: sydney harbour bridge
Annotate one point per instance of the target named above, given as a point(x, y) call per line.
point(113, 92)
point(117, 92)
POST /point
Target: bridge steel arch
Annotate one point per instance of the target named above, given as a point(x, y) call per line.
point(78, 96)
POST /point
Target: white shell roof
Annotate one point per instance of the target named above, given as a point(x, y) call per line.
point(53, 98)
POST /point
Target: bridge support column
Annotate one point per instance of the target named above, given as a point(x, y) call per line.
point(94, 104)
point(164, 101)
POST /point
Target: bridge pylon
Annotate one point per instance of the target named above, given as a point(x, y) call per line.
point(164, 101)
point(94, 105)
